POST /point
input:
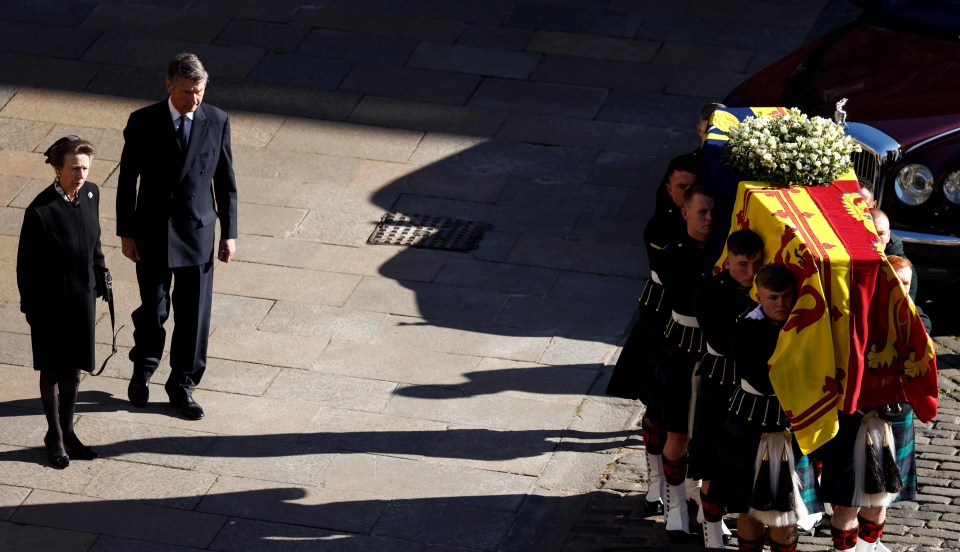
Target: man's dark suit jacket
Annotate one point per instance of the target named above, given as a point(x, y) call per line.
point(172, 215)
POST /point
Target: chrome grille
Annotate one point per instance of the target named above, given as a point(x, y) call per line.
point(867, 166)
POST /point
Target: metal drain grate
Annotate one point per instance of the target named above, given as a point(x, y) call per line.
point(428, 232)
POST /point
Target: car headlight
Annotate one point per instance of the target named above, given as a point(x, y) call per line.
point(914, 184)
point(951, 187)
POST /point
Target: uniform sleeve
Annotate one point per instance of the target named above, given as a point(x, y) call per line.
point(752, 350)
point(710, 313)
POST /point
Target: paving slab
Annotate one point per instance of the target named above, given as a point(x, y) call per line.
point(265, 220)
point(142, 50)
point(335, 430)
point(600, 258)
point(491, 411)
point(575, 19)
point(436, 302)
point(71, 108)
point(348, 140)
point(404, 479)
point(323, 321)
point(182, 21)
point(606, 73)
point(593, 46)
point(338, 391)
point(560, 131)
point(119, 518)
point(241, 378)
point(474, 60)
point(401, 263)
point(335, 228)
point(46, 40)
point(495, 36)
point(144, 444)
point(156, 485)
point(31, 70)
point(521, 160)
point(236, 94)
point(270, 36)
point(453, 119)
point(572, 351)
point(303, 70)
point(328, 508)
point(436, 146)
point(538, 97)
point(410, 83)
point(376, 22)
point(10, 499)
point(627, 230)
point(393, 363)
point(476, 274)
point(267, 460)
point(273, 282)
point(704, 82)
point(253, 129)
point(698, 56)
point(259, 536)
point(561, 384)
point(31, 537)
point(236, 310)
point(453, 523)
point(345, 45)
point(277, 349)
point(10, 186)
point(465, 339)
point(518, 452)
point(23, 135)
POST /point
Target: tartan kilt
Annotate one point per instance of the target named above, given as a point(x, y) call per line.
point(709, 419)
point(635, 374)
point(838, 477)
point(733, 486)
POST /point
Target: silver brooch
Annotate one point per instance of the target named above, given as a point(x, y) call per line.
point(90, 195)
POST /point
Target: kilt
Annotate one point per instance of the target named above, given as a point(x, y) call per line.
point(635, 374)
point(838, 477)
point(710, 415)
point(681, 353)
point(733, 485)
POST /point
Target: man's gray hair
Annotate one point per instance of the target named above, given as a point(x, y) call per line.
point(186, 66)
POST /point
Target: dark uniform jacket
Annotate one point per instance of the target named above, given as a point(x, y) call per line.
point(754, 341)
point(717, 304)
point(682, 272)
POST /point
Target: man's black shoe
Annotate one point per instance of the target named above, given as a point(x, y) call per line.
point(138, 393)
point(183, 401)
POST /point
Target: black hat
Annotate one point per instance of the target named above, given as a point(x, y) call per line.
point(64, 140)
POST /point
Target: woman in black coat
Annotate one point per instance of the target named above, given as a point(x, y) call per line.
point(57, 259)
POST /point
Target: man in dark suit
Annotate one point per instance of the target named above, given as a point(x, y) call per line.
point(175, 148)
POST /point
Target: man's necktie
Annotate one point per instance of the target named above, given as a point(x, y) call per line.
point(182, 133)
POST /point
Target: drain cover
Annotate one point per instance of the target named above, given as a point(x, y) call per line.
point(428, 232)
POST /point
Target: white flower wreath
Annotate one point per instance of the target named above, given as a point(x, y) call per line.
point(789, 149)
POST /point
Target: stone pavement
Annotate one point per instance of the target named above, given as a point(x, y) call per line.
point(369, 397)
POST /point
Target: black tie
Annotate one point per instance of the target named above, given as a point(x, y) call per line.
point(182, 133)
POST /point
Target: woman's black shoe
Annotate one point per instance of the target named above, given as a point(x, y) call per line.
point(77, 449)
point(58, 461)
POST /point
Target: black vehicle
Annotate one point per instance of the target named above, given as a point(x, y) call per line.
point(893, 78)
